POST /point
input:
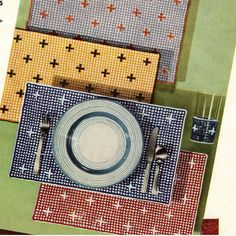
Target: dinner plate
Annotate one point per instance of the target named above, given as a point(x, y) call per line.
point(97, 143)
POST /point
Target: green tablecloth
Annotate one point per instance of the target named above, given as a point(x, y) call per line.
point(205, 65)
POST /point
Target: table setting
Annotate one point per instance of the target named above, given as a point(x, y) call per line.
point(92, 116)
point(79, 84)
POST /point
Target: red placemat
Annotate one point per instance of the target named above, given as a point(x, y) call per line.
point(113, 214)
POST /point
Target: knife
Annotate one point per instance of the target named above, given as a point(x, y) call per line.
point(150, 156)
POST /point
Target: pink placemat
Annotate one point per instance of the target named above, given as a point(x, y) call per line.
point(118, 215)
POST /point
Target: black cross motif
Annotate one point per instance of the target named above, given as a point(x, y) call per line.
point(43, 43)
point(64, 83)
point(69, 48)
point(140, 97)
point(4, 109)
point(115, 93)
point(147, 61)
point(89, 88)
point(11, 73)
point(17, 38)
point(37, 78)
point(105, 73)
point(95, 53)
point(80, 68)
point(121, 57)
point(131, 78)
point(54, 63)
point(20, 93)
point(27, 59)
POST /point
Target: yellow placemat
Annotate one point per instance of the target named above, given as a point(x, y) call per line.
point(74, 64)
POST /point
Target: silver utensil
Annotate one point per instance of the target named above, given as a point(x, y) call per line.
point(150, 156)
point(44, 128)
point(161, 156)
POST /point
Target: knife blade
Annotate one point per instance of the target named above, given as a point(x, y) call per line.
point(150, 156)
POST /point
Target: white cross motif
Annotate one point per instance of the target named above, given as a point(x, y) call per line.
point(192, 163)
point(143, 114)
point(169, 215)
point(195, 128)
point(178, 233)
point(212, 131)
point(101, 221)
point(37, 95)
point(63, 100)
point(47, 211)
point(154, 230)
point(144, 210)
point(128, 227)
point(158, 192)
point(170, 119)
point(64, 195)
point(22, 168)
point(90, 201)
point(131, 187)
point(185, 199)
point(177, 178)
point(74, 216)
point(30, 132)
point(117, 205)
point(49, 173)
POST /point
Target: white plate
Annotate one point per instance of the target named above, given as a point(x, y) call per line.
point(97, 143)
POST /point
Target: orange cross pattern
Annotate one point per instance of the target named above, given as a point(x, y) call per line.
point(170, 36)
point(161, 17)
point(111, 8)
point(85, 3)
point(136, 12)
point(177, 2)
point(70, 18)
point(95, 23)
point(43, 14)
point(121, 27)
point(146, 32)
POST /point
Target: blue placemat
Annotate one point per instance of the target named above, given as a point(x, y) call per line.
point(41, 99)
point(146, 25)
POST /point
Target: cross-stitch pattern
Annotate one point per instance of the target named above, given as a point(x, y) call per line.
point(40, 100)
point(204, 130)
point(96, 68)
point(119, 215)
point(146, 25)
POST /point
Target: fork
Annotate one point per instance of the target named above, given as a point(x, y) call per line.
point(44, 128)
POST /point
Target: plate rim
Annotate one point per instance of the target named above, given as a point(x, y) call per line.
point(54, 146)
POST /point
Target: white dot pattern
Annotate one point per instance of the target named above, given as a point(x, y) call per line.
point(169, 136)
point(162, 20)
point(181, 218)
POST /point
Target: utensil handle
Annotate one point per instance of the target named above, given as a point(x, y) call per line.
point(38, 156)
point(155, 184)
point(146, 178)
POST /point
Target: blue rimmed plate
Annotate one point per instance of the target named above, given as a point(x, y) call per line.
point(97, 143)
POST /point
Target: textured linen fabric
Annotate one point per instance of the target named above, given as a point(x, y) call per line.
point(74, 64)
point(41, 99)
point(145, 25)
point(117, 215)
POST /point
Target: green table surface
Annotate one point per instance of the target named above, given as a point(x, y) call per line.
point(205, 65)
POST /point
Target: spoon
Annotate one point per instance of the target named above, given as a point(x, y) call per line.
point(160, 156)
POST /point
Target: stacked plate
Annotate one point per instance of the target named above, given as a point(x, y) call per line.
point(97, 143)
